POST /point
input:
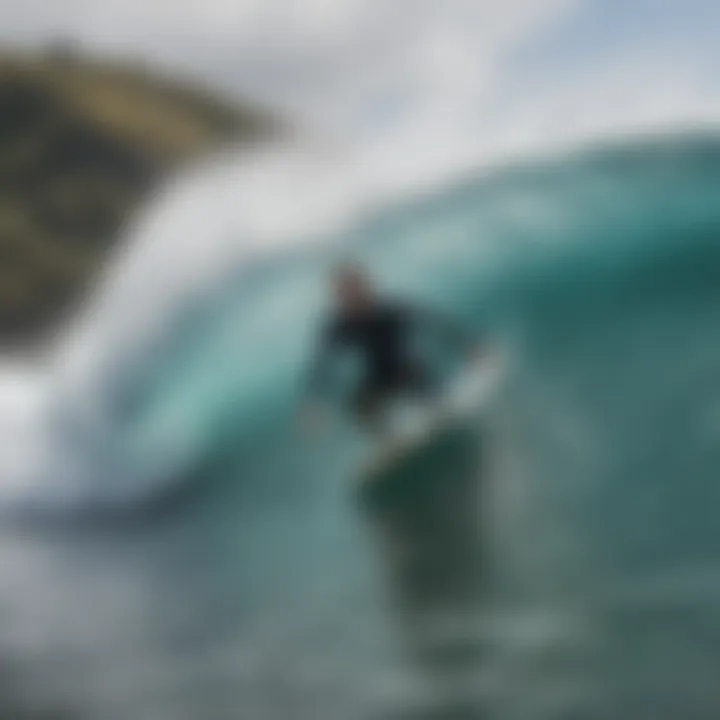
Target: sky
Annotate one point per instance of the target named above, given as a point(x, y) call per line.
point(426, 83)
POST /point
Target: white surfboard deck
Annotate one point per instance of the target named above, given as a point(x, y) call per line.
point(468, 395)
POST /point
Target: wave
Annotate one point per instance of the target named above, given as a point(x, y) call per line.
point(198, 336)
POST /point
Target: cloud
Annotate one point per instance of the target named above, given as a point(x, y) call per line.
point(324, 56)
point(422, 85)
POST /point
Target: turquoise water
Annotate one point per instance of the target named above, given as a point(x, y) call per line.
point(253, 587)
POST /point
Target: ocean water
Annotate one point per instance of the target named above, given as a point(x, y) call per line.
point(172, 546)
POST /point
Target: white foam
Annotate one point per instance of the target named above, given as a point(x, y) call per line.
point(58, 439)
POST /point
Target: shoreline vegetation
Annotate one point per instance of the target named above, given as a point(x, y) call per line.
point(82, 142)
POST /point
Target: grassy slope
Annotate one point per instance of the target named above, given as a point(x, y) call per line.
point(81, 143)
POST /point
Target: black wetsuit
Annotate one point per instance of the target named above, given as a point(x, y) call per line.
point(382, 337)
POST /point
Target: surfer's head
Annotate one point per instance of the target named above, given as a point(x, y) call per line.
point(352, 288)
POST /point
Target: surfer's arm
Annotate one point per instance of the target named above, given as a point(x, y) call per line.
point(317, 379)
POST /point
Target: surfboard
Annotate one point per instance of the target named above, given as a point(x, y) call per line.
point(425, 430)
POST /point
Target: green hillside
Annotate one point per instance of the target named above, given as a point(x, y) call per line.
point(81, 143)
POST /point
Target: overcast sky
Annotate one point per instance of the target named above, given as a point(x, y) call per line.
point(439, 79)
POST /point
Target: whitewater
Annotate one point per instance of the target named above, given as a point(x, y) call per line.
point(236, 578)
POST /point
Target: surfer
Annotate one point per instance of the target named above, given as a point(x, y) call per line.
point(380, 331)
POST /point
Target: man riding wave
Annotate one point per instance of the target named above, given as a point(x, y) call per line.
point(380, 331)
